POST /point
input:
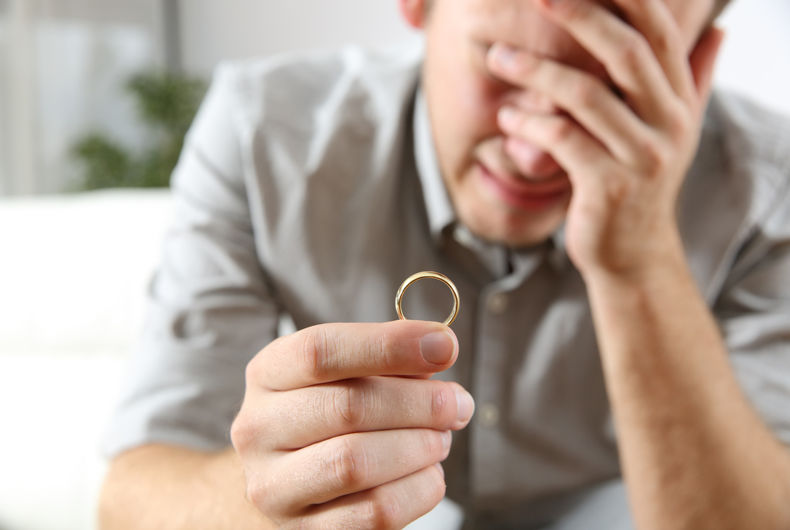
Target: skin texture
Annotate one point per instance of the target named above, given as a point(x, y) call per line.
point(608, 97)
point(340, 428)
point(165, 487)
point(543, 112)
point(523, 194)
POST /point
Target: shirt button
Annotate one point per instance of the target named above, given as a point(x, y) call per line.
point(497, 303)
point(489, 415)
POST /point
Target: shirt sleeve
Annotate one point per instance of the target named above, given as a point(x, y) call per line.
point(754, 315)
point(210, 306)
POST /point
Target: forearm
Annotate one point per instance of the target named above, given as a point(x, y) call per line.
point(160, 486)
point(694, 453)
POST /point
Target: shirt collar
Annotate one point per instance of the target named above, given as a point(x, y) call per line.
point(439, 208)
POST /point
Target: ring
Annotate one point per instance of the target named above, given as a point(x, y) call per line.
point(436, 276)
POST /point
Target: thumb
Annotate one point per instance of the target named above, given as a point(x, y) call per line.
point(703, 59)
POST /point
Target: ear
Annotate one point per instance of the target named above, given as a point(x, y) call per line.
point(413, 12)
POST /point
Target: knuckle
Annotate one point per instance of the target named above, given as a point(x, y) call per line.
point(348, 465)
point(314, 352)
point(257, 497)
point(349, 405)
point(247, 430)
point(259, 493)
point(432, 442)
point(440, 399)
point(380, 511)
point(677, 121)
point(575, 11)
point(382, 347)
point(632, 51)
point(618, 189)
point(654, 159)
point(656, 156)
point(241, 433)
point(664, 43)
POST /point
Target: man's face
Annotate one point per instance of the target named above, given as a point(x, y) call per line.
point(503, 189)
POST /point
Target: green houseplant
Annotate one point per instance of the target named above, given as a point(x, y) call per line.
point(166, 104)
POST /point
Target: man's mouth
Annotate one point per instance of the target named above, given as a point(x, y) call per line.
point(521, 193)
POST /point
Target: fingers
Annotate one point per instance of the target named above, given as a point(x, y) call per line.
point(594, 175)
point(335, 352)
point(390, 506)
point(294, 419)
point(336, 393)
point(622, 49)
point(575, 150)
point(654, 20)
point(330, 430)
point(646, 59)
point(585, 97)
point(345, 465)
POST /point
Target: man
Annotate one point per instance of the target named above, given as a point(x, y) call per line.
point(620, 253)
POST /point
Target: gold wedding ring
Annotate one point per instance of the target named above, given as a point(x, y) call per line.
point(436, 276)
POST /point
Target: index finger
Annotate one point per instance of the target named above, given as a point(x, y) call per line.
point(656, 22)
point(625, 53)
point(334, 352)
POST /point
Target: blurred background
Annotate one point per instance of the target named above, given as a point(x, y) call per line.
point(66, 65)
point(96, 95)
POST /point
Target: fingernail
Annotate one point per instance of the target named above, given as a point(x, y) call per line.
point(508, 117)
point(465, 405)
point(502, 54)
point(440, 468)
point(437, 347)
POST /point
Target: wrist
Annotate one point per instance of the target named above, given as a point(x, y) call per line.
point(650, 266)
point(646, 298)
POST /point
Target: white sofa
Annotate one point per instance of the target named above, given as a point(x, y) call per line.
point(73, 272)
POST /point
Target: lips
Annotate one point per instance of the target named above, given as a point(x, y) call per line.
point(521, 193)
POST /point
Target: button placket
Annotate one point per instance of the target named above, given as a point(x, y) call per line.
point(497, 303)
point(489, 415)
point(489, 375)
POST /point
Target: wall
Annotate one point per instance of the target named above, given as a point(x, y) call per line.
point(63, 65)
point(212, 30)
point(63, 62)
point(753, 61)
point(755, 56)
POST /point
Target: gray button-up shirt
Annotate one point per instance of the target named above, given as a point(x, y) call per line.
point(309, 187)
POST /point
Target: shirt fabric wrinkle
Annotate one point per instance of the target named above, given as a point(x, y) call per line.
point(336, 248)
